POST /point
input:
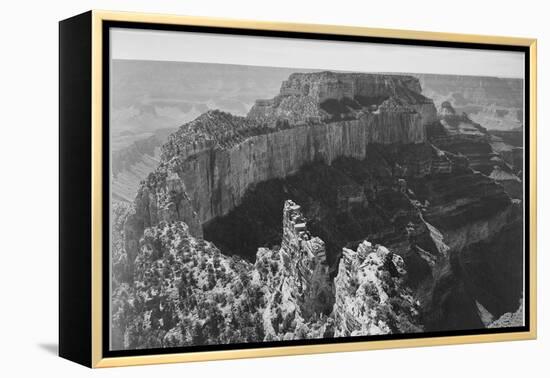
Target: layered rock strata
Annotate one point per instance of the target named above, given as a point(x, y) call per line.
point(485, 152)
point(430, 216)
point(458, 134)
point(208, 165)
point(367, 157)
point(327, 96)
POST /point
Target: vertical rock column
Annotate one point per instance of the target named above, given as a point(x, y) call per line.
point(308, 261)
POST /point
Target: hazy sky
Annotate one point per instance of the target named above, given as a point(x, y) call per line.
point(303, 53)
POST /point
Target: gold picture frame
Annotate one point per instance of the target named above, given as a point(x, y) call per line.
point(92, 25)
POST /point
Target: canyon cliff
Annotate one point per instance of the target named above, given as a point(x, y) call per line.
point(208, 164)
point(366, 157)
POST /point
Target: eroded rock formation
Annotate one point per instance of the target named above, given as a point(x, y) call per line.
point(186, 292)
point(458, 134)
point(306, 257)
point(208, 165)
point(367, 157)
point(371, 297)
point(331, 96)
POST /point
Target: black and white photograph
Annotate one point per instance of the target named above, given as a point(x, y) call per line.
point(275, 189)
point(267, 190)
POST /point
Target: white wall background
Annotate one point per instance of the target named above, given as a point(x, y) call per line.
point(29, 189)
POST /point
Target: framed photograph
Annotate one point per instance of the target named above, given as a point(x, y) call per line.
point(234, 189)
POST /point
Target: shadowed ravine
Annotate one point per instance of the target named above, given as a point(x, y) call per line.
point(353, 200)
point(344, 202)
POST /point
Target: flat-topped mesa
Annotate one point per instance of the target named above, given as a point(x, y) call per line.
point(307, 257)
point(208, 164)
point(330, 96)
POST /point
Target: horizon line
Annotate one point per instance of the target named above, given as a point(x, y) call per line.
point(317, 69)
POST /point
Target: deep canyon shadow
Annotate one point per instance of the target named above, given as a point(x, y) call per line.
point(344, 203)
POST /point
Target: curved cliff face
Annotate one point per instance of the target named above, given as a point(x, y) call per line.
point(208, 164)
point(346, 201)
point(216, 179)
